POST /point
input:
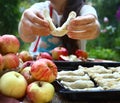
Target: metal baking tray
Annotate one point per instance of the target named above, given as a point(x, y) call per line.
point(97, 95)
point(70, 65)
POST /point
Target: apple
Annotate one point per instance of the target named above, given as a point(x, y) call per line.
point(27, 74)
point(11, 61)
point(27, 64)
point(57, 51)
point(13, 84)
point(25, 56)
point(44, 70)
point(44, 55)
point(1, 62)
point(40, 92)
point(81, 54)
point(9, 44)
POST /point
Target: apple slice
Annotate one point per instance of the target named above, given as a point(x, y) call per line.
point(70, 58)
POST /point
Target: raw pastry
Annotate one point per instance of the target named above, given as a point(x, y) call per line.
point(60, 31)
point(79, 84)
point(73, 78)
point(78, 72)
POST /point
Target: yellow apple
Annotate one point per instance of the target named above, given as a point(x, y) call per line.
point(40, 92)
point(13, 84)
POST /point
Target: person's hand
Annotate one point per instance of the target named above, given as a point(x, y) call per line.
point(5, 99)
point(32, 22)
point(84, 27)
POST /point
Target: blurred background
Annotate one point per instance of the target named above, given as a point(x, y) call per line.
point(106, 46)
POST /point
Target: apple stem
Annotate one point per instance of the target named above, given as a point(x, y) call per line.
point(39, 84)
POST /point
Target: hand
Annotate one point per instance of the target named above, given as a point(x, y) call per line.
point(84, 27)
point(32, 22)
point(5, 99)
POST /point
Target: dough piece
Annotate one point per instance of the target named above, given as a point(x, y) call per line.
point(98, 69)
point(48, 18)
point(106, 83)
point(79, 84)
point(73, 78)
point(60, 31)
point(115, 69)
point(116, 86)
point(88, 89)
point(77, 72)
point(105, 76)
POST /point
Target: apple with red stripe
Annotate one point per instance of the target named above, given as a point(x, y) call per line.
point(40, 92)
point(1, 62)
point(44, 70)
point(9, 44)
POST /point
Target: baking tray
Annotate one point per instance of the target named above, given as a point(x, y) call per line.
point(97, 95)
point(70, 65)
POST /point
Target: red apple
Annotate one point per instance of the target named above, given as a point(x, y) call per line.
point(40, 92)
point(81, 54)
point(1, 62)
point(25, 56)
point(11, 61)
point(44, 70)
point(56, 52)
point(9, 44)
point(27, 74)
point(44, 55)
point(27, 64)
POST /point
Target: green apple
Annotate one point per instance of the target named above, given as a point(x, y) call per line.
point(40, 92)
point(13, 84)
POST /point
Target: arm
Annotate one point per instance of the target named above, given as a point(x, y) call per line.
point(86, 26)
point(32, 24)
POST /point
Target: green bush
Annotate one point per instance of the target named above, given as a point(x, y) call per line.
point(9, 16)
point(102, 53)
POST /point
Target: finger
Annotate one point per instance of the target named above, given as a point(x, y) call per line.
point(81, 20)
point(34, 18)
point(89, 33)
point(81, 27)
point(35, 29)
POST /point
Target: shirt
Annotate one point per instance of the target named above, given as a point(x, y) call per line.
point(47, 43)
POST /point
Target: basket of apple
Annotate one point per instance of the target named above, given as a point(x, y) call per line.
point(22, 77)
